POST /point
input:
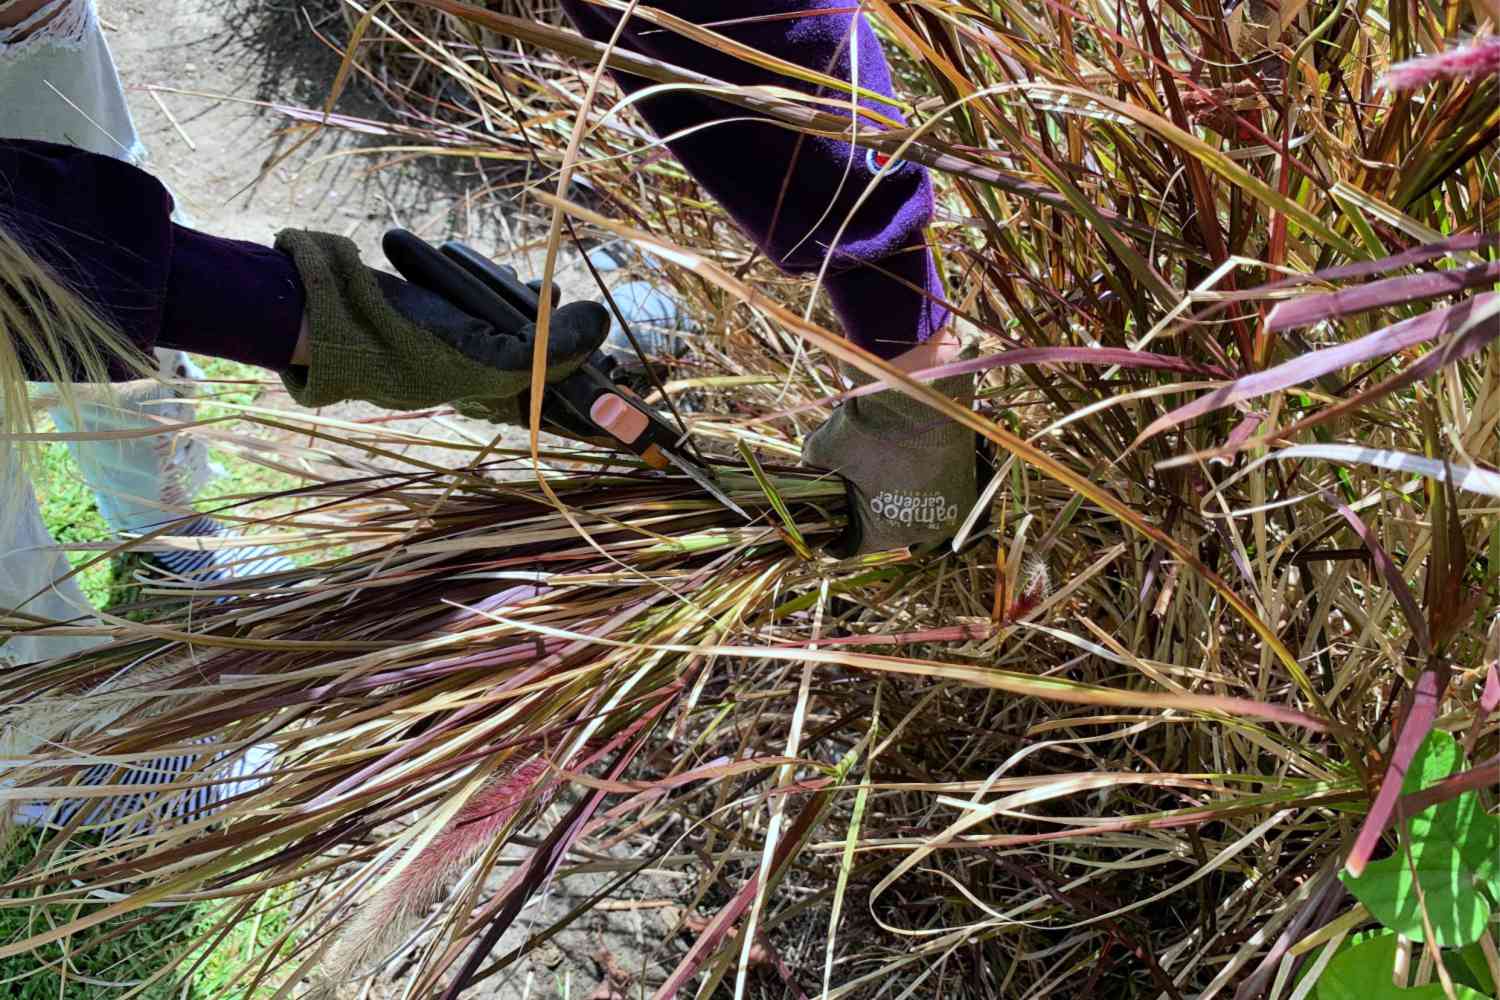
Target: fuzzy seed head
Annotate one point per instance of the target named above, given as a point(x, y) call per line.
point(1467, 62)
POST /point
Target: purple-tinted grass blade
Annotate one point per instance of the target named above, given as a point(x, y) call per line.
point(1381, 343)
point(1481, 775)
point(1419, 721)
point(1379, 294)
point(1389, 571)
point(1467, 243)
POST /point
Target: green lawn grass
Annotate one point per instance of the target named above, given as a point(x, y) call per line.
point(120, 954)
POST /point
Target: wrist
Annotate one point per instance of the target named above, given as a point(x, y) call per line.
point(302, 350)
point(892, 414)
point(943, 347)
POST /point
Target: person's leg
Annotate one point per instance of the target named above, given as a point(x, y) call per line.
point(33, 575)
point(33, 585)
point(34, 581)
point(142, 483)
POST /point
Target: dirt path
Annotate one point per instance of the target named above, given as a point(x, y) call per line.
point(195, 72)
point(199, 75)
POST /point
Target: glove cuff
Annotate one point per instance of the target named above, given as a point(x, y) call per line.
point(892, 413)
point(327, 264)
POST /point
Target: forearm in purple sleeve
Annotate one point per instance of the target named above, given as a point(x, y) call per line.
point(793, 193)
point(104, 227)
point(231, 299)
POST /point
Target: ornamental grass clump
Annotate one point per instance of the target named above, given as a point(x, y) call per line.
point(1145, 732)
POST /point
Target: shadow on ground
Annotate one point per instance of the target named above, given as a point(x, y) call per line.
point(289, 53)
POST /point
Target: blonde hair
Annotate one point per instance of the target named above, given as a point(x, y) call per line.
point(67, 346)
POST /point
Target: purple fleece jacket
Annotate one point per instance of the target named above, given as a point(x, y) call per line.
point(881, 267)
point(106, 226)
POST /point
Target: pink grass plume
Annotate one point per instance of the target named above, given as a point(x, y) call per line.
point(1467, 62)
point(381, 924)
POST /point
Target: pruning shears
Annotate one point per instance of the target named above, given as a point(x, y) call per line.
point(588, 403)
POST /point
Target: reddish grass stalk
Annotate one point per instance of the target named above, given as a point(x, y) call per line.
point(1424, 707)
point(394, 913)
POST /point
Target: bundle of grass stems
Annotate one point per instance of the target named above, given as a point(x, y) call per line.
point(1241, 553)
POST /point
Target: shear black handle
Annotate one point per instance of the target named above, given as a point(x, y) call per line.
point(500, 280)
point(422, 265)
point(485, 290)
point(574, 403)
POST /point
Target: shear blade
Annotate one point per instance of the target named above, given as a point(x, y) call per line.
point(703, 479)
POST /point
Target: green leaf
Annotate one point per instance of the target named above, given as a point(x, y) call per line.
point(1479, 969)
point(1364, 972)
point(1460, 823)
point(1351, 941)
point(1479, 841)
point(1361, 972)
point(1463, 972)
point(1451, 846)
point(1435, 759)
point(1454, 905)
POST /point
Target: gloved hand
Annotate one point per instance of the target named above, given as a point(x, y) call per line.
point(514, 410)
point(909, 471)
point(376, 337)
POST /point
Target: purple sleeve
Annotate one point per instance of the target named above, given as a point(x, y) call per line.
point(232, 299)
point(790, 192)
point(105, 229)
point(102, 227)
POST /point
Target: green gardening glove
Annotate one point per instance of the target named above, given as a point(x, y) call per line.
point(909, 470)
point(376, 337)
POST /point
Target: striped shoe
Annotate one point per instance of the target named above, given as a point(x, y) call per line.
point(232, 774)
point(200, 566)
